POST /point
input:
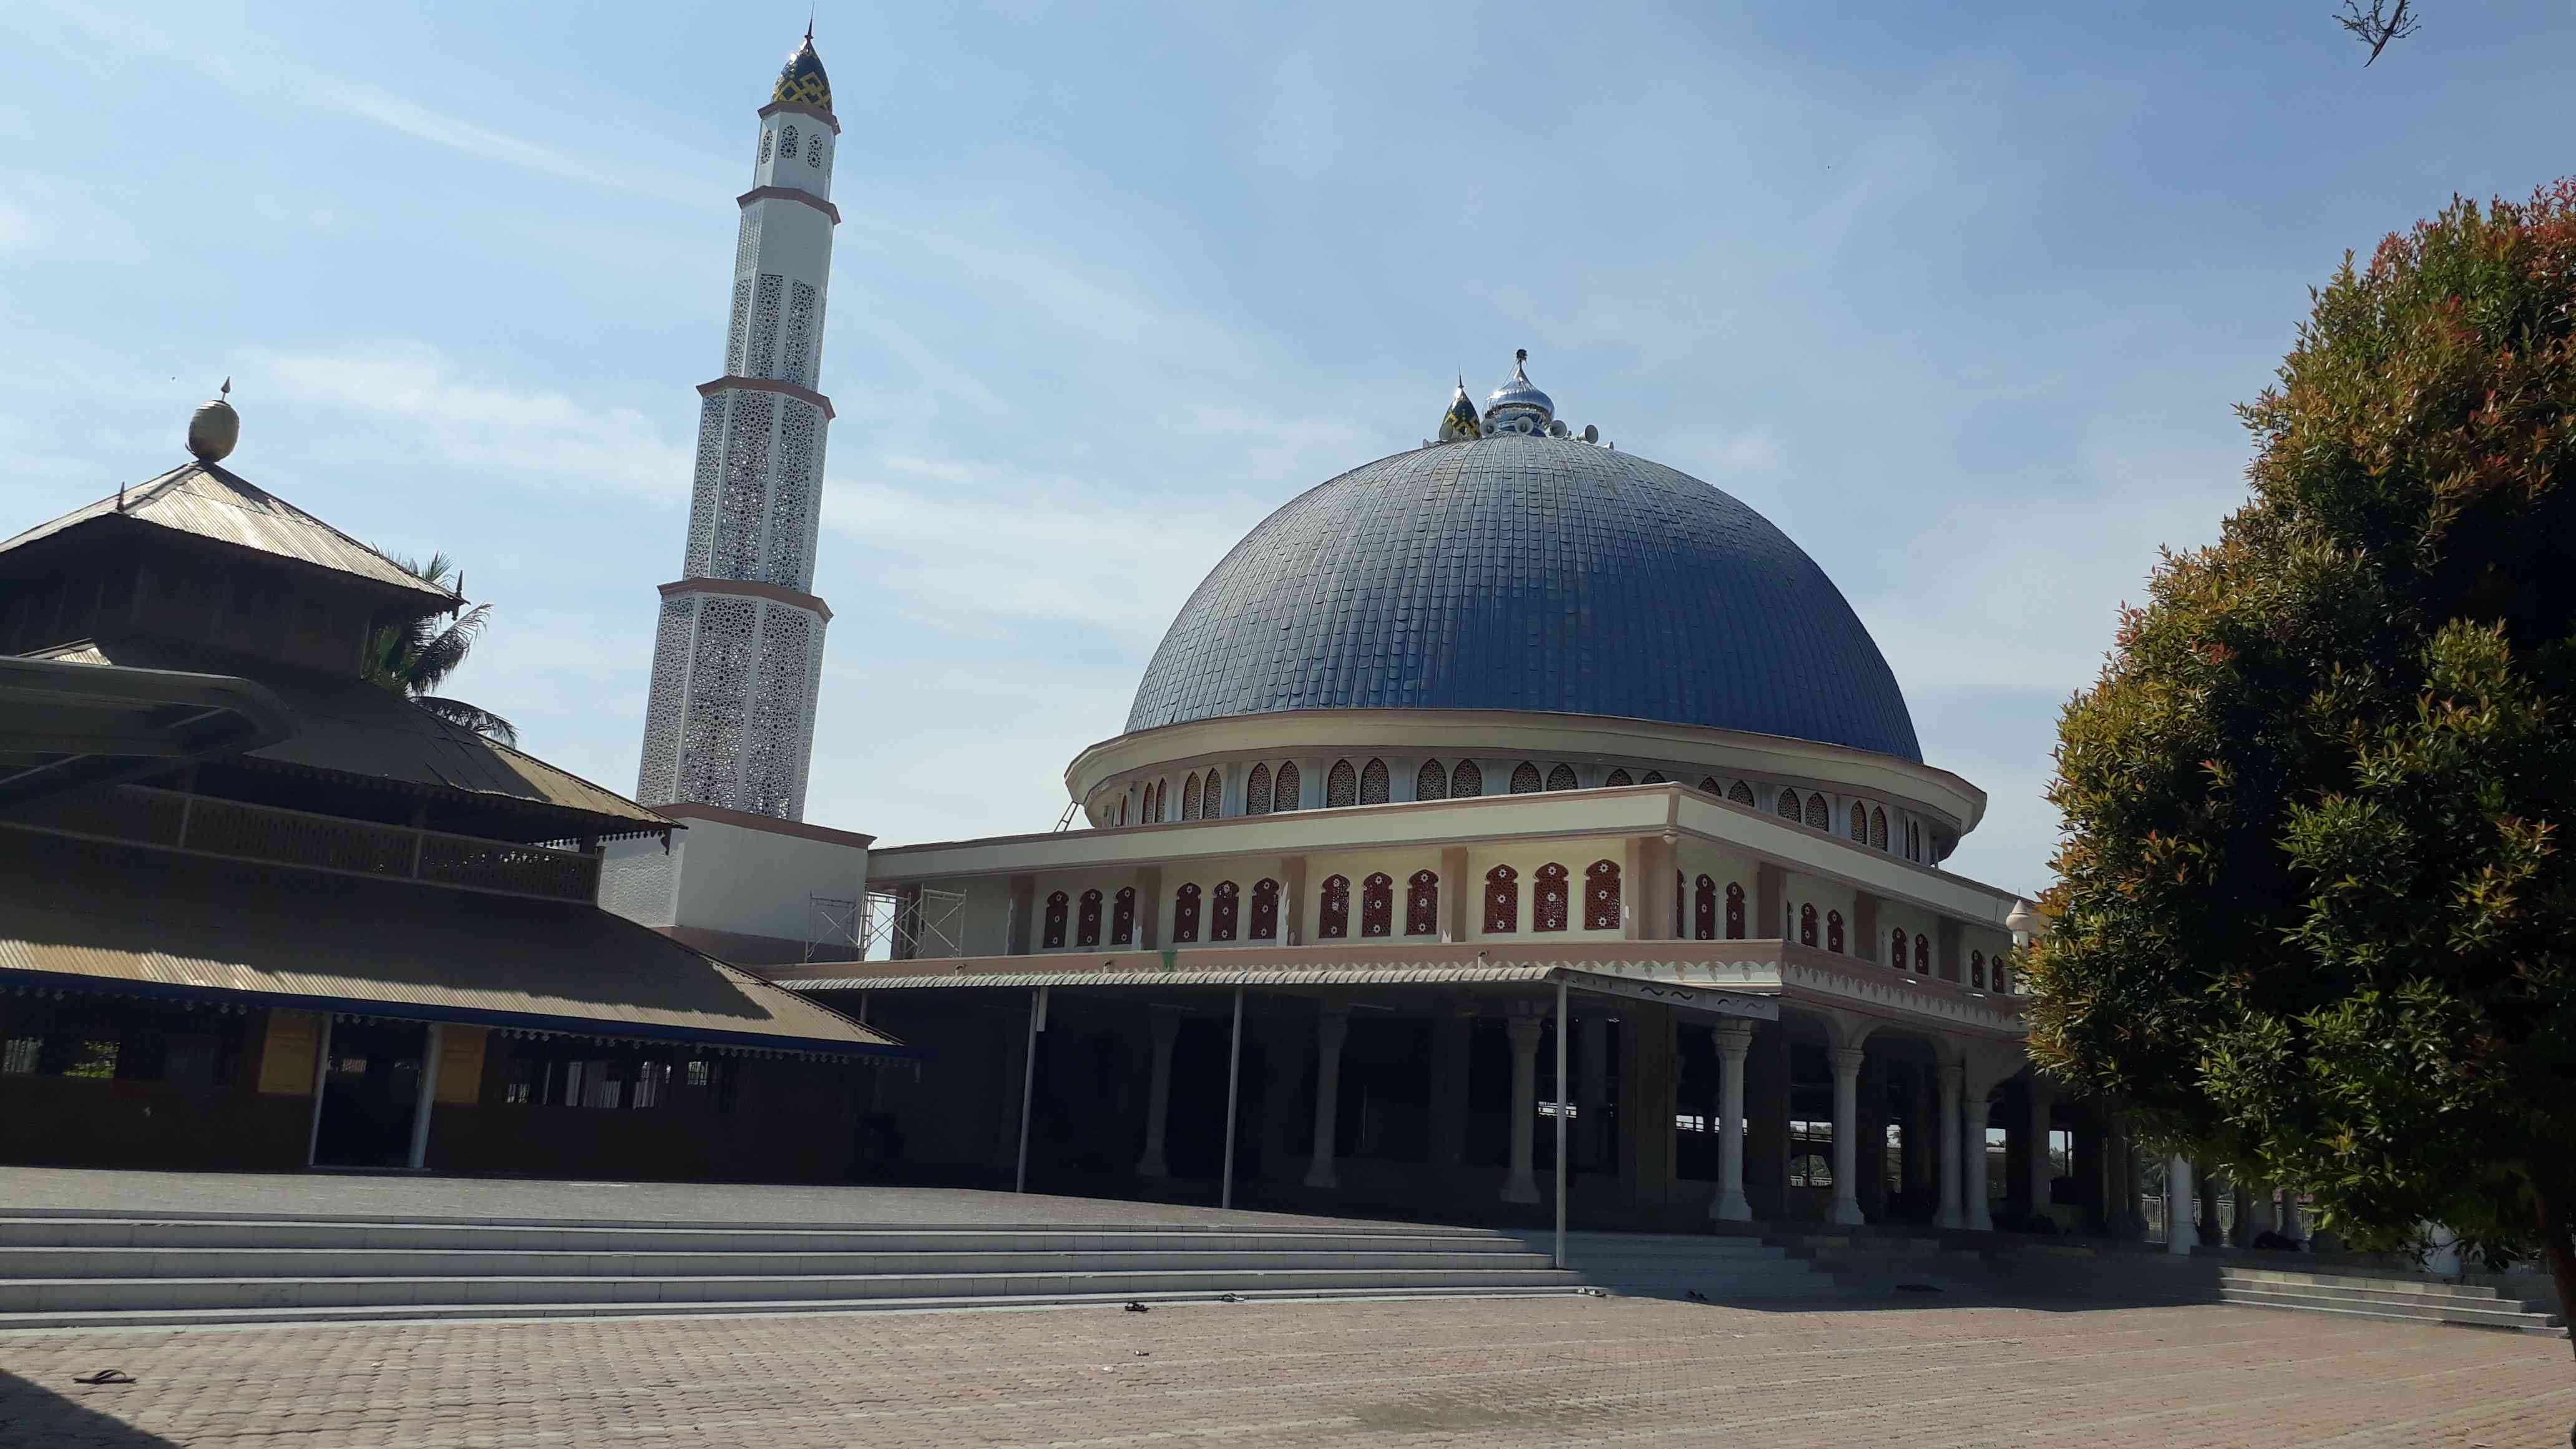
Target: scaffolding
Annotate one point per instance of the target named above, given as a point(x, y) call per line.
point(904, 924)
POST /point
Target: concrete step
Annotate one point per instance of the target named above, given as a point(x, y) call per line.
point(231, 1232)
point(277, 1317)
point(2397, 1307)
point(61, 1295)
point(2407, 1287)
point(372, 1262)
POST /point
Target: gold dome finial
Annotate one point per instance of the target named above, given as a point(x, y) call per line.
point(214, 428)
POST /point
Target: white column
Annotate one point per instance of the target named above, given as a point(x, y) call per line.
point(1521, 1186)
point(2294, 1219)
point(1330, 1027)
point(428, 1091)
point(1233, 1085)
point(1846, 1062)
point(1734, 1042)
point(1979, 1213)
point(1166, 1023)
point(1592, 1094)
point(321, 1083)
point(2181, 1228)
point(1953, 1080)
point(2040, 1176)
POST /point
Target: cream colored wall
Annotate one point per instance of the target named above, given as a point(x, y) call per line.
point(1696, 858)
point(1799, 891)
point(1243, 870)
point(1073, 883)
point(1917, 922)
point(1575, 855)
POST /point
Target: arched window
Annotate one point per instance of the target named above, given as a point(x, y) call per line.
point(1422, 904)
point(1792, 808)
point(1878, 828)
point(1265, 909)
point(1896, 950)
point(1704, 909)
point(1617, 777)
point(1055, 910)
point(1373, 783)
point(1224, 911)
point(1525, 779)
point(1913, 841)
point(1256, 791)
point(1336, 923)
point(1739, 792)
point(1190, 797)
point(1549, 908)
point(1341, 786)
point(1466, 782)
point(1212, 795)
point(1709, 786)
point(1820, 816)
point(1681, 895)
point(1502, 899)
point(2002, 987)
point(1285, 788)
point(1154, 803)
point(1977, 969)
point(1561, 778)
point(1122, 917)
point(1833, 930)
point(1377, 905)
point(1185, 915)
point(1807, 924)
point(1654, 777)
point(1122, 809)
point(1734, 911)
point(1601, 896)
point(1431, 782)
point(1086, 929)
point(1923, 956)
point(787, 143)
point(1859, 824)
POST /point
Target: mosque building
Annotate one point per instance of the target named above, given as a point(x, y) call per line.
point(1509, 760)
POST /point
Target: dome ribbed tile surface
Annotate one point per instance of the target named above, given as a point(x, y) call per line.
point(1522, 573)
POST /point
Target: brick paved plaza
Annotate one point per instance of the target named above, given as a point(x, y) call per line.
point(1477, 1372)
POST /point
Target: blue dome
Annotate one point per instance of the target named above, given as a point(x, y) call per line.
point(1527, 573)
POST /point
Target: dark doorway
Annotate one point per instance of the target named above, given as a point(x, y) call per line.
point(368, 1094)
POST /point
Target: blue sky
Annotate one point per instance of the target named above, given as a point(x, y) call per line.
point(1960, 296)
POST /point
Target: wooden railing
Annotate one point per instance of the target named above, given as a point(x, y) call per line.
point(200, 825)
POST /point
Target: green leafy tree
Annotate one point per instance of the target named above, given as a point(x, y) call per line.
point(2315, 914)
point(413, 659)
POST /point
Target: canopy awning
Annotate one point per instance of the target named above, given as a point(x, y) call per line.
point(88, 916)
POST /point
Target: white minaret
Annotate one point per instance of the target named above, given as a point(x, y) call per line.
point(740, 651)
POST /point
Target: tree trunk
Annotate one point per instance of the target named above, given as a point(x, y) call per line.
point(2560, 1248)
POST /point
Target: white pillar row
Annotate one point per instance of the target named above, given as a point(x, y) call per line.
point(2181, 1228)
point(1521, 1185)
point(1846, 1062)
point(1734, 1043)
point(2040, 1175)
point(1165, 1024)
point(1979, 1214)
point(420, 1108)
point(1330, 1027)
point(1953, 1078)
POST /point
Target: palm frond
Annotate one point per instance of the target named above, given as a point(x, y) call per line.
point(466, 716)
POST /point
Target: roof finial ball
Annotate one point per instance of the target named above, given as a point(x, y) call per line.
point(214, 428)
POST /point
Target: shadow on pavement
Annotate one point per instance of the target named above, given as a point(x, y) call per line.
point(33, 1415)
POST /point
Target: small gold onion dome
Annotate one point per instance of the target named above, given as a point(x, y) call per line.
point(214, 428)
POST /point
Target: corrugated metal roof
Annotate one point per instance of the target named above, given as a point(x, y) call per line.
point(206, 501)
point(357, 728)
point(79, 913)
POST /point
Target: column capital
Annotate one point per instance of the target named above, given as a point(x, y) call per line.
point(1733, 1038)
point(1846, 1059)
point(1523, 1030)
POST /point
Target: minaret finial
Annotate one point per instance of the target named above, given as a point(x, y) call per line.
point(809, 25)
point(226, 391)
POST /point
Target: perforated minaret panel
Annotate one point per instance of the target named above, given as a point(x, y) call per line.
point(739, 654)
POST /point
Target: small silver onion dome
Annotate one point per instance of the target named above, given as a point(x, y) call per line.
point(1460, 421)
point(214, 428)
point(1518, 406)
